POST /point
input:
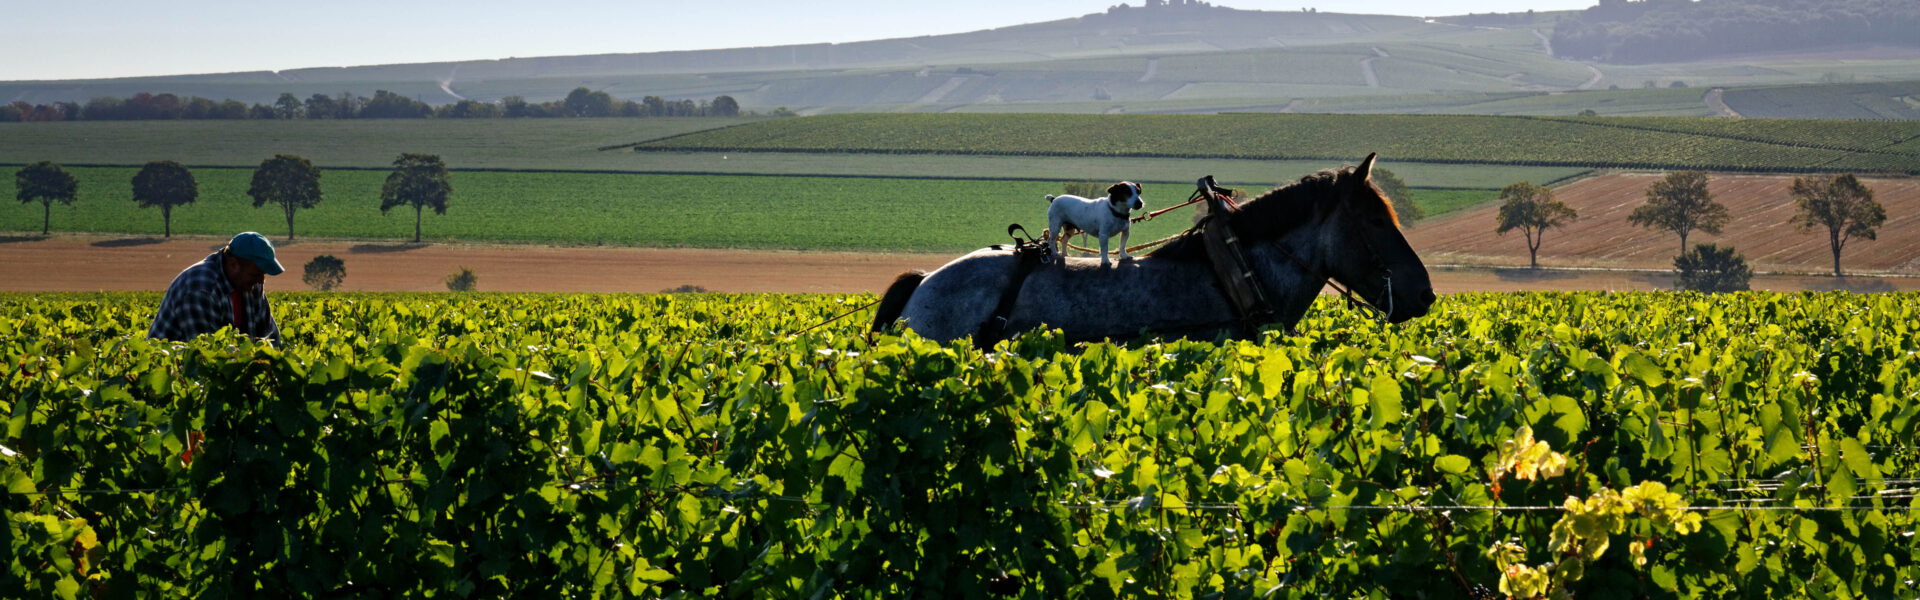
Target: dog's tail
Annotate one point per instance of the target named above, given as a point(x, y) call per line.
point(894, 301)
point(1050, 198)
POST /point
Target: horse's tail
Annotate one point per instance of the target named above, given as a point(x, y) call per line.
point(894, 301)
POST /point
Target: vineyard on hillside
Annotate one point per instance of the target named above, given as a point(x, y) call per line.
point(1616, 142)
point(1598, 445)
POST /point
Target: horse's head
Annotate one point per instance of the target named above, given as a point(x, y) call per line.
point(1364, 250)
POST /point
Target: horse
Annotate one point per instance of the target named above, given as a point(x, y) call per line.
point(1333, 224)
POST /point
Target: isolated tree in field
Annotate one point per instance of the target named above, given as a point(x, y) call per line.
point(1843, 205)
point(325, 272)
point(46, 183)
point(287, 180)
point(1397, 191)
point(419, 180)
point(1532, 209)
point(1680, 204)
point(1712, 269)
point(463, 281)
point(165, 184)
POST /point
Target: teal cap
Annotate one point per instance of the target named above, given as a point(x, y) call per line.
point(255, 247)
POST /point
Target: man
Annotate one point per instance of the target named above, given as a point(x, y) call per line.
point(220, 291)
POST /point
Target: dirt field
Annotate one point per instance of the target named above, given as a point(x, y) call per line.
point(1760, 230)
point(96, 264)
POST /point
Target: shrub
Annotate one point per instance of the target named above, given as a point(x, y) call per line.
point(464, 281)
point(324, 272)
point(1712, 269)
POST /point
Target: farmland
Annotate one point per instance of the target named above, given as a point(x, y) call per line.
point(1634, 142)
point(648, 445)
point(600, 209)
point(1761, 229)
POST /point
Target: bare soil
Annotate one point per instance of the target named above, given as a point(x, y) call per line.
point(1761, 230)
point(33, 264)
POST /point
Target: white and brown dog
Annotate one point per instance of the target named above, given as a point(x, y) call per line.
point(1101, 217)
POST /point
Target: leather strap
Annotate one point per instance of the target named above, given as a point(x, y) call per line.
point(1231, 268)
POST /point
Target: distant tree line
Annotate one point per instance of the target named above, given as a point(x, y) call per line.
point(1624, 31)
point(581, 102)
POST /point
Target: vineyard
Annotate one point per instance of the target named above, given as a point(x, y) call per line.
point(1623, 142)
point(1568, 445)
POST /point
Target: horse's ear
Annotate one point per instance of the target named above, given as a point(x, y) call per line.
point(1366, 167)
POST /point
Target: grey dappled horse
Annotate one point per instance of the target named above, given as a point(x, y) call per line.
point(1336, 224)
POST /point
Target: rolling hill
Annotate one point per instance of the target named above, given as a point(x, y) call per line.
point(1166, 59)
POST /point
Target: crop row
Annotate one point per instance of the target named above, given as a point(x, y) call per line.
point(656, 445)
point(1634, 142)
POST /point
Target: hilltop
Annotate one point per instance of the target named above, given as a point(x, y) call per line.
point(1185, 57)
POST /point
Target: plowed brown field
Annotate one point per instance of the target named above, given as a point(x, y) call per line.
point(70, 264)
point(1760, 230)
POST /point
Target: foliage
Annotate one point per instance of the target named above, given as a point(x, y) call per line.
point(463, 281)
point(325, 272)
point(1397, 191)
point(413, 445)
point(1624, 142)
point(1084, 189)
point(1649, 31)
point(287, 180)
point(1533, 210)
point(384, 104)
point(1842, 205)
point(1680, 203)
point(165, 184)
point(46, 183)
point(420, 181)
point(1713, 269)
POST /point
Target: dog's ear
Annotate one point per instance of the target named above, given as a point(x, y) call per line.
point(1120, 190)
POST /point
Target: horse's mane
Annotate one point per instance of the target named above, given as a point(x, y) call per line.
point(1269, 216)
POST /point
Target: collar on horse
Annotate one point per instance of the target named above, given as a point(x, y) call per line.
point(1237, 278)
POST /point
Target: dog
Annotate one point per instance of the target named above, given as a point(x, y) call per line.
point(1101, 217)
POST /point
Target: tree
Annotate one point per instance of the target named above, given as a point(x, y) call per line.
point(1843, 205)
point(287, 107)
point(1712, 269)
point(419, 180)
point(464, 281)
point(166, 184)
point(725, 106)
point(1532, 209)
point(45, 183)
point(1680, 204)
point(582, 102)
point(1398, 192)
point(324, 272)
point(287, 180)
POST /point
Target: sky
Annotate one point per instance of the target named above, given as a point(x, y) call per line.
point(89, 39)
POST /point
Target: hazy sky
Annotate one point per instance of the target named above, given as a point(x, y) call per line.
point(81, 39)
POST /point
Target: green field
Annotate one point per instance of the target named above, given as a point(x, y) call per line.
point(1896, 100)
point(571, 145)
point(1588, 445)
point(866, 214)
point(1631, 142)
point(529, 144)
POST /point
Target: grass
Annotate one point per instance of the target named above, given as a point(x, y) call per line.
point(759, 212)
point(569, 144)
point(463, 143)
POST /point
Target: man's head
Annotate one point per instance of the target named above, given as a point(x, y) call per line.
point(249, 260)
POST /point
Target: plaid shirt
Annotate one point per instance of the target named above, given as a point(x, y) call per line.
point(200, 300)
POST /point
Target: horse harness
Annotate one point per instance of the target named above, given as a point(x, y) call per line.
point(1231, 268)
point(1027, 254)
